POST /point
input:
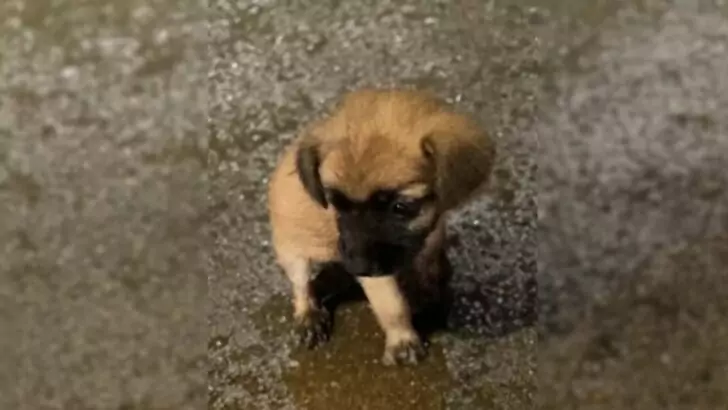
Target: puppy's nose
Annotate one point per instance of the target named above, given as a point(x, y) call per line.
point(354, 258)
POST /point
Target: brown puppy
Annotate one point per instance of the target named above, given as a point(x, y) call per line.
point(369, 187)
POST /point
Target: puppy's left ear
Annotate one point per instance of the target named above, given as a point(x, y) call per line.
point(462, 156)
point(308, 161)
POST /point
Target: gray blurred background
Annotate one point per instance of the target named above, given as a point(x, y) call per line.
point(633, 207)
point(102, 198)
point(135, 143)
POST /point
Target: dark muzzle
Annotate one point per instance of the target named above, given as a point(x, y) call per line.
point(365, 258)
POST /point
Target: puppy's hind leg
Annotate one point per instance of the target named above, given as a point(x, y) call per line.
point(392, 311)
point(313, 322)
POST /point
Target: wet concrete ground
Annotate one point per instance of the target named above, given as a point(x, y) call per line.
point(136, 267)
point(280, 64)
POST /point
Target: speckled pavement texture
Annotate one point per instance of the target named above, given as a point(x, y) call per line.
point(279, 64)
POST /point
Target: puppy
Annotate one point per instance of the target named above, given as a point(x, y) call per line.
point(369, 187)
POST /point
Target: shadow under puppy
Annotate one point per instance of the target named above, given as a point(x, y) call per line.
point(369, 187)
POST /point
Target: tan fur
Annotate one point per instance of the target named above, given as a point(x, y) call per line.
point(299, 225)
point(392, 312)
point(373, 141)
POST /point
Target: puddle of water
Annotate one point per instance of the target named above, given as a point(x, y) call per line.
point(347, 373)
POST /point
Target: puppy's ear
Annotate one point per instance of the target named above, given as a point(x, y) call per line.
point(308, 161)
point(462, 157)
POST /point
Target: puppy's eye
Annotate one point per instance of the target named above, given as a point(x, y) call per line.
point(406, 209)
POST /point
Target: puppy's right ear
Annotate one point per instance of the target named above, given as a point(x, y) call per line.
point(308, 161)
point(462, 156)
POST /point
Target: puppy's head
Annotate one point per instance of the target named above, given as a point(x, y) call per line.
point(389, 164)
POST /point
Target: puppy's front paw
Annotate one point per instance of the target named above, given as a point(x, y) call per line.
point(313, 327)
point(407, 349)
